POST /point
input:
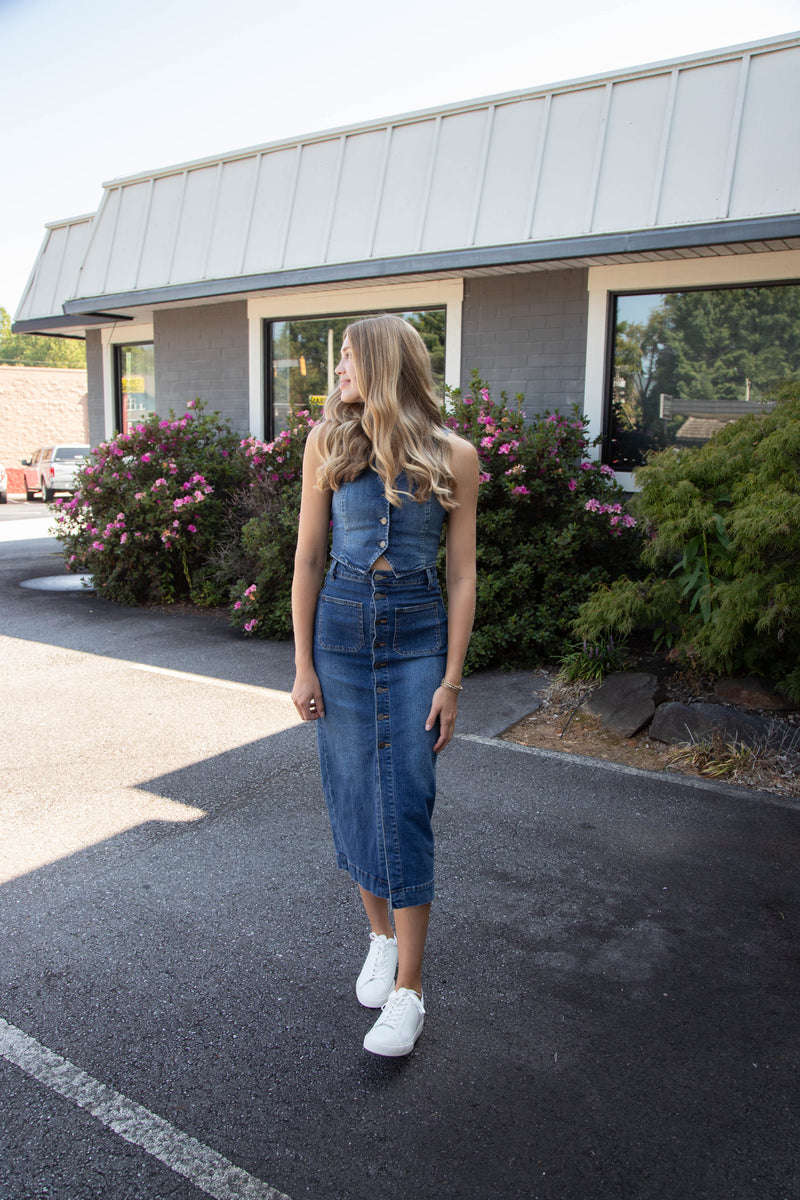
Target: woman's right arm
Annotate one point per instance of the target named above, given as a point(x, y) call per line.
point(309, 568)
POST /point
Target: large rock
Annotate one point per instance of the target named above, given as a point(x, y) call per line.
point(676, 722)
point(751, 693)
point(624, 702)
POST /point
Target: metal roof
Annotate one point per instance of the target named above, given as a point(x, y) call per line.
point(711, 140)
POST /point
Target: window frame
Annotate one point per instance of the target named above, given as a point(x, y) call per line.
point(125, 334)
point(266, 326)
point(713, 271)
point(117, 363)
point(342, 302)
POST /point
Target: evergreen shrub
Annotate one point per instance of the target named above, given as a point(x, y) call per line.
point(723, 551)
point(150, 507)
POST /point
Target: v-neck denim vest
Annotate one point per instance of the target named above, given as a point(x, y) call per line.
point(366, 526)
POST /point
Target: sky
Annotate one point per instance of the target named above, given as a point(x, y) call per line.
point(93, 92)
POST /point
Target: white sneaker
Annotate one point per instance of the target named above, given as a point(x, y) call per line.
point(376, 982)
point(397, 1028)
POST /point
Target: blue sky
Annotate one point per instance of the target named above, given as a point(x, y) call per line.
point(94, 91)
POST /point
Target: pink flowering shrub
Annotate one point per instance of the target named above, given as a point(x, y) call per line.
point(257, 558)
point(551, 526)
point(150, 506)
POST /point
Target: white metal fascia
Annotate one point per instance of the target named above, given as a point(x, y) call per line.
point(480, 174)
point(251, 212)
point(733, 140)
point(536, 173)
point(597, 166)
point(623, 75)
point(334, 197)
point(212, 216)
point(425, 191)
point(178, 219)
point(143, 235)
point(287, 225)
point(661, 163)
point(380, 186)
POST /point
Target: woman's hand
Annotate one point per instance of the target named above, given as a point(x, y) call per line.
point(307, 696)
point(444, 706)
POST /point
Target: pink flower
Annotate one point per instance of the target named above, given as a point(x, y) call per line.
point(572, 485)
point(467, 400)
point(484, 477)
point(250, 625)
point(192, 528)
point(520, 490)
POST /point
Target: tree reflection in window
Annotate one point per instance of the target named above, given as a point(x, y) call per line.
point(303, 354)
point(687, 363)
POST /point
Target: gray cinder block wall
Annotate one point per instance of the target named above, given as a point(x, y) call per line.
point(202, 352)
point(527, 333)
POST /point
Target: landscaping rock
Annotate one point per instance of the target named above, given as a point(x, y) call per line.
point(624, 702)
point(676, 722)
point(751, 693)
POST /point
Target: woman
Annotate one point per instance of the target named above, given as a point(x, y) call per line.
point(378, 660)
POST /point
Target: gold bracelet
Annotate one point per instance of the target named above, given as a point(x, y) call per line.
point(452, 687)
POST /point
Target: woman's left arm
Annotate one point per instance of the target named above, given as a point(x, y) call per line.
point(461, 577)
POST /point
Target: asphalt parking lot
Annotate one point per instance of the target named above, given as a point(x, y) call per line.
point(613, 974)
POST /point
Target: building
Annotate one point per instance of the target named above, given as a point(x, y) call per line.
point(548, 231)
point(39, 406)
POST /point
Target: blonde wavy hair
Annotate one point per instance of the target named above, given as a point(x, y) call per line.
point(397, 426)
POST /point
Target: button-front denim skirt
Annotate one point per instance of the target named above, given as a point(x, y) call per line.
point(380, 646)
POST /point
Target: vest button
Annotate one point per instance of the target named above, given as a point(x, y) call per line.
point(382, 545)
point(384, 521)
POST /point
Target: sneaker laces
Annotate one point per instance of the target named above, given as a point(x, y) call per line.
point(380, 951)
point(394, 1008)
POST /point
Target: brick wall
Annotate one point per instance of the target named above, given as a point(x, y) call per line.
point(527, 333)
point(39, 406)
point(203, 351)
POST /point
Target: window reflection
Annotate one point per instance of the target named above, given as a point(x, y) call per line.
point(687, 363)
point(303, 355)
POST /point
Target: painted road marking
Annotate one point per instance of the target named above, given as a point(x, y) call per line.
point(264, 692)
point(201, 1165)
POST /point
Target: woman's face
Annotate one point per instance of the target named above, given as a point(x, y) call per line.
point(347, 375)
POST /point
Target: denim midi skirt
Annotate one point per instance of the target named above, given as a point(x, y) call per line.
point(380, 646)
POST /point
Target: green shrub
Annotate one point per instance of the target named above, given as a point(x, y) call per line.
point(551, 526)
point(150, 506)
point(589, 663)
point(255, 561)
point(723, 553)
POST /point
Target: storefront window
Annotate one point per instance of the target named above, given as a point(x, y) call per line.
point(302, 355)
point(685, 364)
point(136, 388)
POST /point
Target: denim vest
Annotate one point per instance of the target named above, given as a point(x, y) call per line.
point(366, 526)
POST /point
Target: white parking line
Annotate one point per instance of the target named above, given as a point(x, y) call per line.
point(264, 692)
point(203, 1167)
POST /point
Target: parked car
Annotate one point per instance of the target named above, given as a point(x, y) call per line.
point(52, 469)
point(3, 485)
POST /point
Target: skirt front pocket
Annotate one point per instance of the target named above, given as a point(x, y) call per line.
point(340, 625)
point(419, 629)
